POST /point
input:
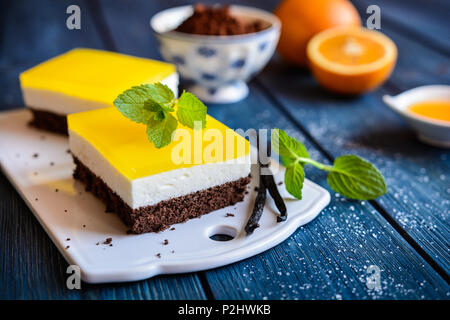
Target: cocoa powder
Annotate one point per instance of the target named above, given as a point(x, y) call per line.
point(218, 21)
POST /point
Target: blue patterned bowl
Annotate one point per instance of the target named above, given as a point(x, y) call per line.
point(218, 65)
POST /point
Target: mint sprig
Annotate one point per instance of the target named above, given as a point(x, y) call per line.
point(153, 104)
point(350, 175)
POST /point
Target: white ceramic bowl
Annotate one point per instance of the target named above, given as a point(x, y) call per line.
point(434, 132)
point(218, 65)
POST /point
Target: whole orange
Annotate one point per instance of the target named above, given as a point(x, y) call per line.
point(302, 19)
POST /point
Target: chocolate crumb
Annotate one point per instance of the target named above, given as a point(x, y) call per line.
point(280, 183)
point(229, 215)
point(166, 242)
point(107, 241)
point(35, 155)
point(173, 228)
point(256, 189)
point(68, 239)
point(36, 199)
point(158, 255)
point(110, 245)
point(67, 247)
point(97, 243)
point(56, 190)
point(246, 192)
point(65, 210)
point(84, 226)
point(68, 151)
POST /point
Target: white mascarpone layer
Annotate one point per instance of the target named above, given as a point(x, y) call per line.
point(63, 104)
point(152, 189)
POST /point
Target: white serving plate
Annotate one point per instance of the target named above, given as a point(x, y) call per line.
point(132, 257)
point(431, 131)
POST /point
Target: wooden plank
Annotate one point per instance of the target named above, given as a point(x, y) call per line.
point(31, 266)
point(417, 65)
point(426, 22)
point(417, 174)
point(326, 259)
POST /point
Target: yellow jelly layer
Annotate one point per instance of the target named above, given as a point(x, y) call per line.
point(94, 75)
point(125, 145)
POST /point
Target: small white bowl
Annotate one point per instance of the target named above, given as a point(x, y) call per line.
point(434, 132)
point(219, 65)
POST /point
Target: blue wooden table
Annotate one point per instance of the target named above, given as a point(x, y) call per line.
point(405, 233)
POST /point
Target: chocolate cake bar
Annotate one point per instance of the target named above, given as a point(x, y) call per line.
point(166, 213)
point(49, 121)
point(85, 79)
point(143, 184)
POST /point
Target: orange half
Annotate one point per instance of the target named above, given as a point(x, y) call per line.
point(351, 60)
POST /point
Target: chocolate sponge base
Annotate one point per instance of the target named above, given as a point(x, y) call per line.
point(165, 213)
point(49, 121)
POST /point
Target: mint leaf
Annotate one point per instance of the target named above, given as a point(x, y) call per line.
point(190, 109)
point(290, 150)
point(293, 180)
point(160, 131)
point(152, 106)
point(160, 93)
point(356, 178)
point(131, 104)
point(287, 147)
point(139, 103)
